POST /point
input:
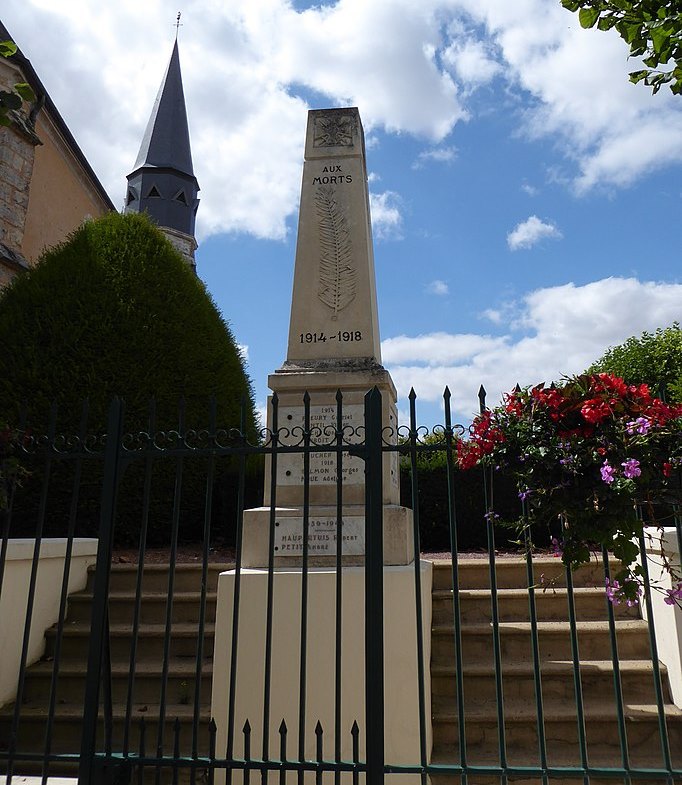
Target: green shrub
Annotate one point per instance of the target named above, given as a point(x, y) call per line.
point(115, 311)
point(653, 358)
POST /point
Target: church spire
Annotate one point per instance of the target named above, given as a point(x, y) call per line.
point(162, 182)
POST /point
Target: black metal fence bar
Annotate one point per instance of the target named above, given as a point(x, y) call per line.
point(577, 682)
point(656, 670)
point(456, 606)
point(617, 680)
point(535, 648)
point(338, 588)
point(302, 681)
point(374, 591)
point(142, 546)
point(101, 591)
point(416, 555)
point(66, 572)
point(270, 586)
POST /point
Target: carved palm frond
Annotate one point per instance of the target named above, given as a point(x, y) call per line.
point(337, 275)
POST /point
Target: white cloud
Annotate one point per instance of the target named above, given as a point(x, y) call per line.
point(563, 330)
point(472, 61)
point(387, 220)
point(441, 155)
point(613, 131)
point(529, 189)
point(530, 232)
point(439, 288)
point(407, 64)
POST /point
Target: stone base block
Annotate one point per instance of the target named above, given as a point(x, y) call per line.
point(401, 668)
point(397, 526)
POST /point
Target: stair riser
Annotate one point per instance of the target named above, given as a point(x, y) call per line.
point(75, 648)
point(147, 689)
point(479, 690)
point(66, 770)
point(549, 607)
point(594, 645)
point(66, 735)
point(643, 738)
point(512, 574)
point(155, 580)
point(152, 609)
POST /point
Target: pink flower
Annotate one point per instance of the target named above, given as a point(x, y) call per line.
point(641, 425)
point(616, 593)
point(673, 595)
point(631, 468)
point(608, 473)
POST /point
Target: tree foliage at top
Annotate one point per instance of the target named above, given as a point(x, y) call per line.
point(651, 28)
point(653, 358)
point(11, 100)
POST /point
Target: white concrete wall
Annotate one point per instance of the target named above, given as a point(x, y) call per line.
point(14, 599)
point(401, 673)
point(667, 618)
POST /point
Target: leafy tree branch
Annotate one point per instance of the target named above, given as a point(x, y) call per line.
point(651, 28)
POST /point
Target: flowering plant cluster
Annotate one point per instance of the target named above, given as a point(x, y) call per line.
point(586, 452)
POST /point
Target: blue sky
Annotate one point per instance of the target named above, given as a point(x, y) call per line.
point(525, 197)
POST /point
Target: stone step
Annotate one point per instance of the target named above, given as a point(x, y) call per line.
point(596, 678)
point(561, 733)
point(513, 605)
point(146, 683)
point(604, 757)
point(554, 641)
point(187, 577)
point(186, 606)
point(150, 643)
point(66, 727)
point(510, 572)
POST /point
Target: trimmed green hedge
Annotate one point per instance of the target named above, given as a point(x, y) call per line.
point(116, 311)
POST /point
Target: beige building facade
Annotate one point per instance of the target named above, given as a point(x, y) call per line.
point(47, 187)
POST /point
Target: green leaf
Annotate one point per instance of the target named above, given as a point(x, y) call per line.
point(7, 48)
point(607, 22)
point(24, 90)
point(588, 17)
point(571, 5)
point(660, 36)
point(629, 32)
point(637, 76)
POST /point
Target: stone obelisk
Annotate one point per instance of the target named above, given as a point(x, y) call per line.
point(333, 345)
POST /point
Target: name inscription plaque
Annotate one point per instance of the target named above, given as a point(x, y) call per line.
point(322, 536)
point(323, 465)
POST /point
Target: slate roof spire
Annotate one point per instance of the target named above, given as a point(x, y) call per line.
point(162, 182)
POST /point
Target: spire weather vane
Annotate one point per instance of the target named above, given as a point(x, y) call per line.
point(178, 24)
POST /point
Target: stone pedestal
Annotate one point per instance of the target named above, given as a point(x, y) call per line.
point(401, 672)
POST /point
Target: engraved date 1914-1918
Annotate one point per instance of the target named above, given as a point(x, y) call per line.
point(344, 336)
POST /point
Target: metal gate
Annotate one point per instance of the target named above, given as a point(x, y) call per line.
point(101, 732)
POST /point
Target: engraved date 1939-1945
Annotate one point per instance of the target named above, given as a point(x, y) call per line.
point(344, 336)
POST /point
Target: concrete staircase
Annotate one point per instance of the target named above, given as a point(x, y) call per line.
point(558, 691)
point(67, 724)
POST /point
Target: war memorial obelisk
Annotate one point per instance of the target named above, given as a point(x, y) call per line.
point(333, 347)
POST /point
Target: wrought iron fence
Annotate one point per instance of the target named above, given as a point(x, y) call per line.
point(473, 723)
